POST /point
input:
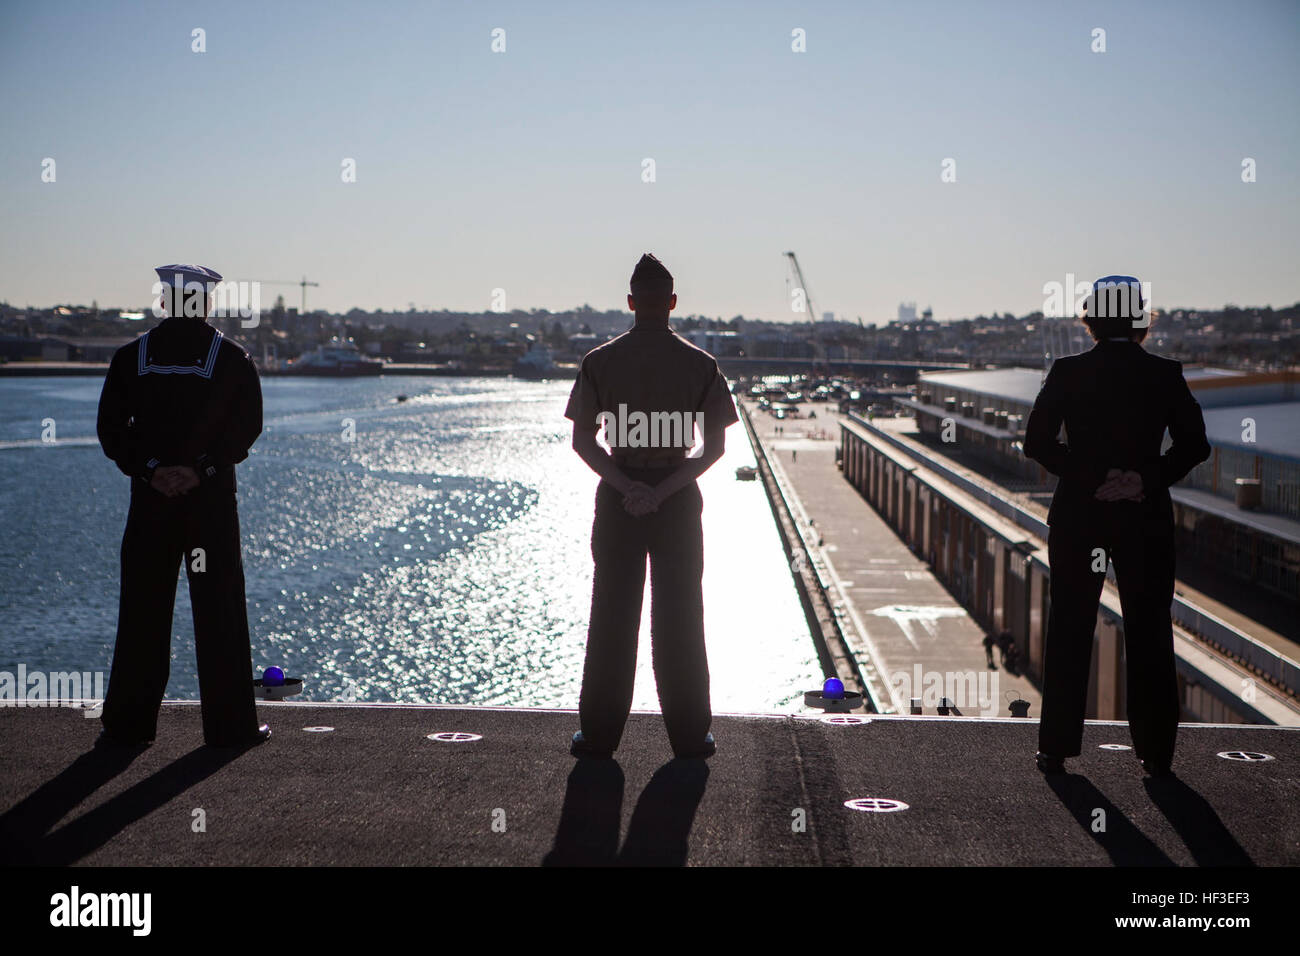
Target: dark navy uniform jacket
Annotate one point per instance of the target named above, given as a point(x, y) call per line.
point(1115, 400)
point(181, 394)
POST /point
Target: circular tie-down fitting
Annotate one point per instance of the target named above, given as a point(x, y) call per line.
point(844, 720)
point(1250, 756)
point(290, 687)
point(833, 705)
point(1114, 747)
point(453, 737)
point(319, 730)
point(875, 805)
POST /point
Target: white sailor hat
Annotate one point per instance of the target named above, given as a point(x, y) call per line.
point(187, 273)
point(1115, 282)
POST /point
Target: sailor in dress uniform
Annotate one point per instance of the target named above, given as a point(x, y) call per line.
point(181, 406)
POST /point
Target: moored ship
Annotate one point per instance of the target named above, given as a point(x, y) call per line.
point(335, 358)
point(538, 363)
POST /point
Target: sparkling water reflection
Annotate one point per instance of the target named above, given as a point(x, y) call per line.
point(440, 556)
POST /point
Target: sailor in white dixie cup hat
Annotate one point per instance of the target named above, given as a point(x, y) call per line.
point(181, 406)
point(178, 279)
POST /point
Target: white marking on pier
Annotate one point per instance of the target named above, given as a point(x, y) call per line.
point(908, 617)
point(1249, 755)
point(875, 805)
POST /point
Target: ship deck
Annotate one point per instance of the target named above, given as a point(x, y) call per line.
point(376, 790)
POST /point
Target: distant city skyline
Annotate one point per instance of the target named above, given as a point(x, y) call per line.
point(509, 168)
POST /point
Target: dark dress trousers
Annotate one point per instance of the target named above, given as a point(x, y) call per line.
point(673, 540)
point(1115, 400)
point(181, 394)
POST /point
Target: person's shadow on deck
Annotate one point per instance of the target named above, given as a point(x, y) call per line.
point(23, 828)
point(24, 825)
point(659, 832)
point(591, 817)
point(1123, 842)
point(1197, 823)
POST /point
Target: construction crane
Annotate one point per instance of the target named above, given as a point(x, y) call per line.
point(302, 283)
point(818, 351)
point(802, 284)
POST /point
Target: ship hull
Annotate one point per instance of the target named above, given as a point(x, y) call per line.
point(351, 372)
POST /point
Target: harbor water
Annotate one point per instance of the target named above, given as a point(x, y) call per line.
point(429, 550)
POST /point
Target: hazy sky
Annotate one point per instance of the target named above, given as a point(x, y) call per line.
point(522, 170)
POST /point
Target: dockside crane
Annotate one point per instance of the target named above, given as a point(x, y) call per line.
point(301, 283)
point(819, 352)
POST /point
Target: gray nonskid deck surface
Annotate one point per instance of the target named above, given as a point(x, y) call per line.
point(375, 790)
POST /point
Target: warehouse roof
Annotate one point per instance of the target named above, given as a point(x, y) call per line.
point(1276, 428)
point(1022, 384)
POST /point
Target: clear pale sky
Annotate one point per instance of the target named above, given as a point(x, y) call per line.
point(522, 170)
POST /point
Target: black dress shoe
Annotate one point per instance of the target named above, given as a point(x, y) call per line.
point(706, 749)
point(581, 748)
point(107, 739)
point(1157, 769)
point(261, 735)
point(1049, 764)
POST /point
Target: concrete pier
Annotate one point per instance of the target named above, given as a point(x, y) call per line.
point(897, 613)
point(988, 544)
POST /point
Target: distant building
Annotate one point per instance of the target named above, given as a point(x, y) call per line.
point(722, 343)
point(775, 343)
point(61, 349)
point(15, 348)
point(95, 349)
point(580, 343)
point(906, 312)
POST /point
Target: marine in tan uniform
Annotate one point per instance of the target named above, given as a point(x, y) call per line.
point(649, 391)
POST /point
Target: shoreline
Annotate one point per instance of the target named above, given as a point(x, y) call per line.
point(100, 369)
